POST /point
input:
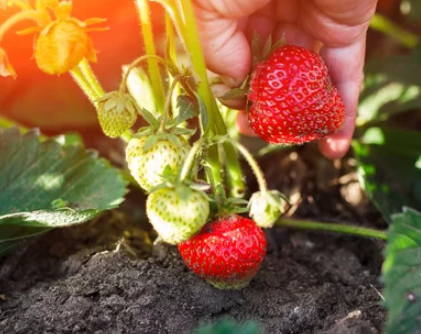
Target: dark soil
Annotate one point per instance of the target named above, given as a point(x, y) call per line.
point(74, 281)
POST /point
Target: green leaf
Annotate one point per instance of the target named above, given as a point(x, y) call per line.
point(389, 168)
point(186, 109)
point(47, 185)
point(401, 273)
point(227, 326)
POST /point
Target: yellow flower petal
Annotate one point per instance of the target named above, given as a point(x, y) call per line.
point(6, 68)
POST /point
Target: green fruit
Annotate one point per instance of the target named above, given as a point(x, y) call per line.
point(148, 167)
point(177, 213)
point(265, 208)
point(117, 113)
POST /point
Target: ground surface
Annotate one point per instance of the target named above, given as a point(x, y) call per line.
point(71, 281)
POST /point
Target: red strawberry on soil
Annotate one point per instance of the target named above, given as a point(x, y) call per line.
point(227, 252)
point(293, 98)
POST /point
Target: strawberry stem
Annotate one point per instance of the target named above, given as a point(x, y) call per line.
point(188, 163)
point(253, 164)
point(337, 228)
point(156, 82)
point(80, 78)
point(18, 17)
point(216, 123)
point(135, 63)
point(168, 101)
point(90, 77)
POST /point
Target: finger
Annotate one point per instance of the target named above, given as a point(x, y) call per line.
point(295, 36)
point(242, 124)
point(225, 46)
point(346, 70)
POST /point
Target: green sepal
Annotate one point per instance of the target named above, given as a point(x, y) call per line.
point(183, 132)
point(267, 47)
point(149, 118)
point(278, 44)
point(256, 48)
point(150, 142)
point(235, 93)
point(142, 132)
point(187, 110)
point(204, 119)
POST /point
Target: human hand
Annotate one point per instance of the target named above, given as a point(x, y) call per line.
point(336, 29)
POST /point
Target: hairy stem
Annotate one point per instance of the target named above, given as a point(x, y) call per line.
point(216, 123)
point(188, 163)
point(135, 63)
point(337, 228)
point(84, 84)
point(156, 82)
point(167, 105)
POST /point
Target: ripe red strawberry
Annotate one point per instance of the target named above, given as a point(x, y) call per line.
point(293, 98)
point(227, 252)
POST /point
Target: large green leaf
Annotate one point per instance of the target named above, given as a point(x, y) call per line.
point(227, 326)
point(401, 270)
point(49, 184)
point(389, 168)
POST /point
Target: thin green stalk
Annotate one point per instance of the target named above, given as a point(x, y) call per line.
point(337, 228)
point(253, 164)
point(84, 84)
point(90, 77)
point(192, 41)
point(135, 63)
point(188, 163)
point(387, 27)
point(156, 82)
point(167, 105)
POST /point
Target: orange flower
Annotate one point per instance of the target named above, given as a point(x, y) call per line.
point(6, 68)
point(61, 42)
point(62, 45)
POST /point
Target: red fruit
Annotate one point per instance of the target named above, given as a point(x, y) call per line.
point(227, 252)
point(293, 98)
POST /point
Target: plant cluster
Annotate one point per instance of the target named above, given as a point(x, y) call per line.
point(185, 159)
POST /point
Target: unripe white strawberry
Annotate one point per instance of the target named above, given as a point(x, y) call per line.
point(147, 166)
point(117, 112)
point(177, 213)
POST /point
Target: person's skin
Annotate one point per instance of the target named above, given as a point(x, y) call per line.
point(335, 28)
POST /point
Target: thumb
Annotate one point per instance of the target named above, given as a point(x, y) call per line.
point(225, 46)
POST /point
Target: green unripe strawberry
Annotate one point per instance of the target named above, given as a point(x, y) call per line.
point(147, 167)
point(265, 208)
point(177, 213)
point(117, 112)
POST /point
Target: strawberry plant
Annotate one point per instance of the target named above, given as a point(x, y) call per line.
point(183, 151)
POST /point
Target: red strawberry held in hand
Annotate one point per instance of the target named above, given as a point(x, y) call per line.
point(293, 98)
point(227, 252)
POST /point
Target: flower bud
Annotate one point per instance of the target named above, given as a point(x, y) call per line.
point(265, 208)
point(62, 45)
point(117, 112)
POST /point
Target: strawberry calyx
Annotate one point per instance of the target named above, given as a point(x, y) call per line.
point(259, 52)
